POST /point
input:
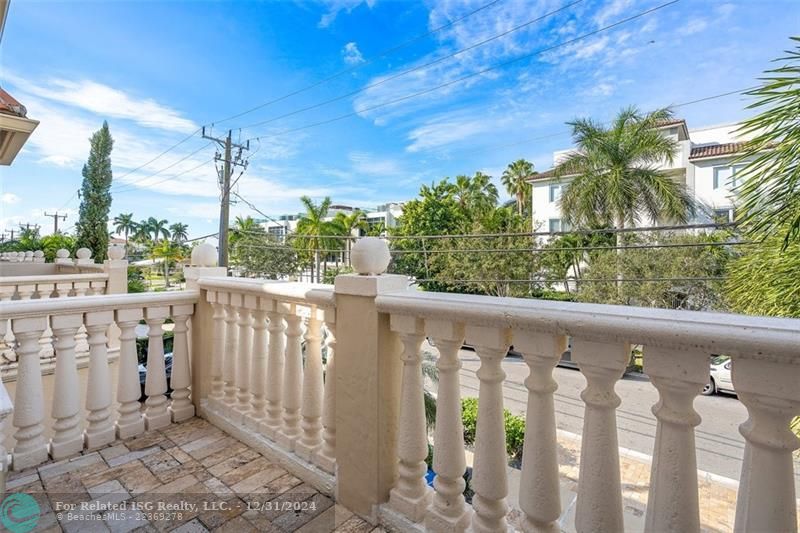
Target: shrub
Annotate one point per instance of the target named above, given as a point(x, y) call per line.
point(514, 425)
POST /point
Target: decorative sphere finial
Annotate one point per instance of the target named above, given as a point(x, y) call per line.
point(62, 253)
point(116, 252)
point(83, 253)
point(370, 256)
point(204, 255)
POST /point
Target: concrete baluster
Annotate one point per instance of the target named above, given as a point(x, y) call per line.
point(599, 504)
point(182, 407)
point(26, 292)
point(156, 415)
point(313, 384)
point(130, 422)
point(410, 495)
point(326, 455)
point(539, 496)
point(769, 389)
point(292, 382)
point(258, 371)
point(245, 323)
point(67, 435)
point(30, 448)
point(679, 375)
point(231, 345)
point(218, 346)
point(275, 364)
point(489, 478)
point(63, 289)
point(448, 510)
point(100, 430)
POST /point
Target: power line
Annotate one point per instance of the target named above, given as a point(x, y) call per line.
point(180, 142)
point(366, 62)
point(414, 69)
point(469, 76)
point(169, 177)
point(131, 186)
point(571, 280)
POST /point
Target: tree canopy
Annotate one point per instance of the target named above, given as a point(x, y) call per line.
point(92, 225)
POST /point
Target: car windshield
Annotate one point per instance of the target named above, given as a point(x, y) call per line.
point(719, 359)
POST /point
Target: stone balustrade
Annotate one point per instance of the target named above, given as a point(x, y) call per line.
point(271, 369)
point(110, 413)
point(256, 358)
point(52, 286)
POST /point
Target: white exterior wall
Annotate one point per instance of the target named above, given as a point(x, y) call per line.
point(698, 175)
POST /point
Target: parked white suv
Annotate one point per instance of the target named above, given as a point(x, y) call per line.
point(720, 378)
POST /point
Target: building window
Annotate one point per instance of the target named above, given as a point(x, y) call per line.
point(555, 193)
point(723, 216)
point(555, 225)
point(725, 177)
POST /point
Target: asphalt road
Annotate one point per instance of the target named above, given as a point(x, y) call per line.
point(720, 446)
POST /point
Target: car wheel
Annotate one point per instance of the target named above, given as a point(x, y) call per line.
point(710, 388)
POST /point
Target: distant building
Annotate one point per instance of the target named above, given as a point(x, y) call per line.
point(384, 215)
point(703, 162)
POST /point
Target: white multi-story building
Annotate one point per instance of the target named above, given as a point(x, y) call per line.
point(384, 215)
point(704, 162)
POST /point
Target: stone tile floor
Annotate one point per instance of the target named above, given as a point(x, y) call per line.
point(187, 478)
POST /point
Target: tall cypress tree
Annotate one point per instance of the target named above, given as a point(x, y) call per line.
point(92, 226)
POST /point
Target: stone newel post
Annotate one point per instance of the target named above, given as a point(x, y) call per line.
point(368, 371)
point(116, 266)
point(201, 341)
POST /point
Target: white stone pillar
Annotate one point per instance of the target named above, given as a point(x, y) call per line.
point(31, 448)
point(258, 370)
point(539, 496)
point(292, 382)
point(245, 323)
point(326, 455)
point(156, 415)
point(218, 349)
point(448, 511)
point(768, 387)
point(489, 478)
point(679, 375)
point(67, 435)
point(231, 346)
point(313, 383)
point(130, 422)
point(410, 494)
point(182, 407)
point(100, 430)
point(277, 343)
point(599, 504)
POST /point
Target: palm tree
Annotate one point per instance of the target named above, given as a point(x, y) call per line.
point(477, 194)
point(157, 228)
point(124, 223)
point(345, 225)
point(313, 227)
point(770, 187)
point(613, 173)
point(243, 227)
point(168, 252)
point(180, 232)
point(515, 180)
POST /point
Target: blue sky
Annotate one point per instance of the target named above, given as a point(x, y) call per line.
point(159, 70)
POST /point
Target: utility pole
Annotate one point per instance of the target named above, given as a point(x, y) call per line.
point(55, 216)
point(229, 164)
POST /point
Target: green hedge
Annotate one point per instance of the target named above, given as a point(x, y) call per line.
point(514, 425)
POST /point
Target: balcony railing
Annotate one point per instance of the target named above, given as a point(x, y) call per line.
point(257, 360)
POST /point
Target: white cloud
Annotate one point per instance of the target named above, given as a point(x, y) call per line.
point(725, 10)
point(106, 101)
point(371, 165)
point(695, 25)
point(9, 198)
point(351, 54)
point(611, 10)
point(337, 6)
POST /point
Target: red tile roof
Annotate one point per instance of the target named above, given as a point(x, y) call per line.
point(715, 150)
point(10, 106)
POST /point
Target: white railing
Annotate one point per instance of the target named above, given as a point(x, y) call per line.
point(266, 371)
point(109, 413)
point(677, 345)
point(52, 286)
